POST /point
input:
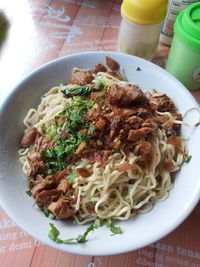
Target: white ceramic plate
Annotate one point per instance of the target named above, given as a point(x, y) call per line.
point(138, 232)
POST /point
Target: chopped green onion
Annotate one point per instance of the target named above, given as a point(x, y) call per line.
point(187, 159)
point(97, 223)
point(78, 90)
point(54, 233)
point(48, 214)
point(114, 229)
point(73, 114)
point(82, 238)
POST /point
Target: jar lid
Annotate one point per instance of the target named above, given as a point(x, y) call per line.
point(187, 26)
point(144, 11)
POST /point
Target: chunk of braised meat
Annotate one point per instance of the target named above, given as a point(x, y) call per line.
point(29, 137)
point(61, 209)
point(100, 124)
point(135, 122)
point(36, 164)
point(139, 134)
point(122, 112)
point(116, 143)
point(124, 96)
point(45, 197)
point(48, 189)
point(115, 123)
point(81, 76)
point(42, 143)
point(161, 102)
point(112, 64)
point(63, 186)
point(99, 68)
point(149, 123)
point(56, 178)
point(35, 160)
point(40, 186)
point(82, 147)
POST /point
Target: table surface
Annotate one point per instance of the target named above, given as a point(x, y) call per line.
point(36, 32)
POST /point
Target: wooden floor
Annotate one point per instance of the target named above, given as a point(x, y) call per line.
point(36, 32)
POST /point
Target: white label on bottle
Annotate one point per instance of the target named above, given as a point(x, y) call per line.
point(196, 75)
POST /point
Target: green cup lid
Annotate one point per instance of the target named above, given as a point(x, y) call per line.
point(187, 26)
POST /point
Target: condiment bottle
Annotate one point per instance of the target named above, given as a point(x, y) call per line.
point(174, 8)
point(184, 56)
point(140, 27)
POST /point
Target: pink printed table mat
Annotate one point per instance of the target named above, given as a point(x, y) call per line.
point(38, 32)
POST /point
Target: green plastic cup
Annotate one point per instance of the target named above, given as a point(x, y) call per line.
point(184, 56)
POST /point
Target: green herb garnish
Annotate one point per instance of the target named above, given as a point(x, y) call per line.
point(48, 214)
point(97, 223)
point(114, 229)
point(187, 159)
point(54, 233)
point(51, 132)
point(78, 90)
point(70, 120)
point(82, 238)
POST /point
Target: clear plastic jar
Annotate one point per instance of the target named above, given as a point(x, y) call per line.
point(138, 40)
point(140, 27)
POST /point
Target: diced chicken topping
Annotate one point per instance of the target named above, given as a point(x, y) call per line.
point(112, 64)
point(81, 76)
point(29, 137)
point(124, 96)
point(61, 209)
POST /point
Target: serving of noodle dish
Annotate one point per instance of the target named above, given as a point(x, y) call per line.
point(100, 149)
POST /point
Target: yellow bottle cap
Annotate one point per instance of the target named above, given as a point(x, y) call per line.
point(144, 11)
